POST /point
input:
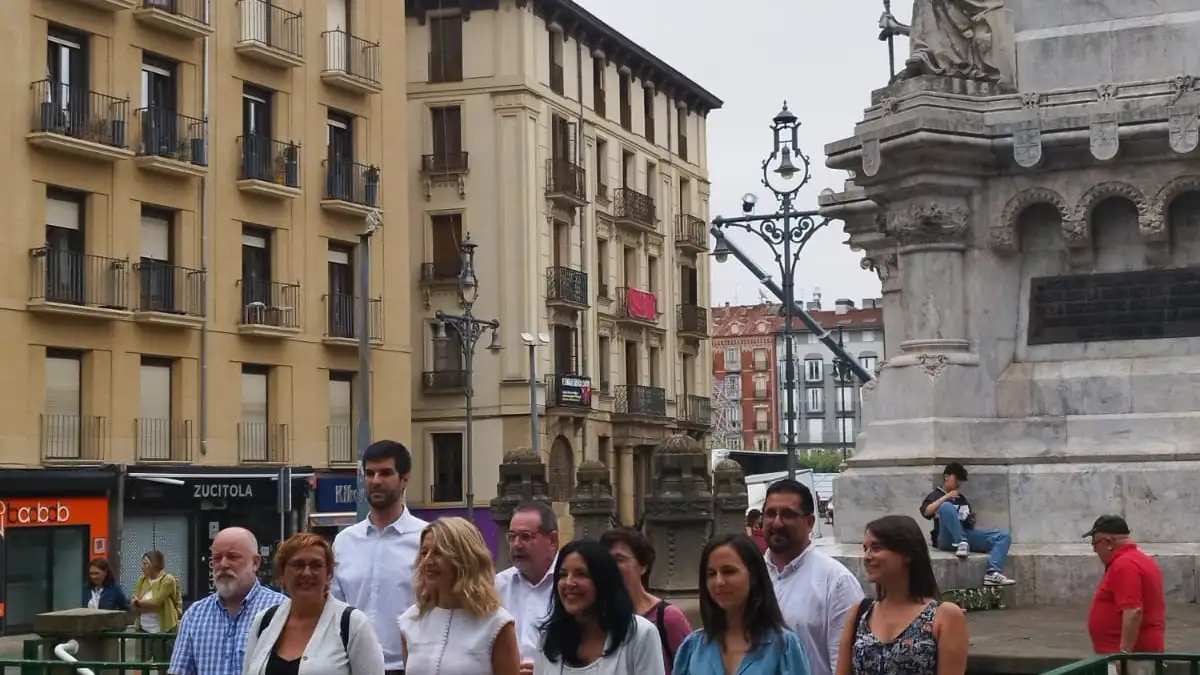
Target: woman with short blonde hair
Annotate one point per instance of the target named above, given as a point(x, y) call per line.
point(455, 590)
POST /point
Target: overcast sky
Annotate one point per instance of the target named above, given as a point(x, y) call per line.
point(823, 57)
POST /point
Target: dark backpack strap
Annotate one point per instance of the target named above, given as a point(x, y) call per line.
point(266, 619)
point(660, 621)
point(346, 629)
point(863, 608)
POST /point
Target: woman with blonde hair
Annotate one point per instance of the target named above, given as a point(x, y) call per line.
point(456, 594)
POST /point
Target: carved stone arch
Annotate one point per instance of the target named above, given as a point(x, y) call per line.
point(562, 470)
point(1154, 227)
point(1077, 230)
point(1006, 236)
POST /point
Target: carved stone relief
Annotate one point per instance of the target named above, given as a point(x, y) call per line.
point(870, 156)
point(1027, 138)
point(1004, 236)
point(929, 223)
point(1077, 230)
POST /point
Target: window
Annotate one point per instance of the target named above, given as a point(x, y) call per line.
point(65, 258)
point(339, 152)
point(556, 61)
point(734, 443)
point(845, 399)
point(866, 336)
point(814, 370)
point(733, 358)
point(869, 363)
point(341, 418)
point(815, 397)
point(446, 236)
point(565, 346)
point(562, 139)
point(341, 300)
point(760, 386)
point(599, 92)
point(447, 351)
point(62, 410)
point(256, 266)
point(652, 182)
point(256, 409)
point(655, 365)
point(67, 72)
point(154, 427)
point(689, 292)
point(258, 161)
point(648, 100)
point(685, 196)
point(813, 339)
point(761, 420)
point(816, 430)
point(762, 444)
point(602, 268)
point(626, 109)
point(601, 168)
point(681, 125)
point(447, 467)
point(760, 359)
point(445, 49)
point(846, 431)
point(628, 171)
point(160, 130)
point(734, 413)
point(652, 274)
point(605, 363)
point(733, 386)
point(446, 124)
point(156, 278)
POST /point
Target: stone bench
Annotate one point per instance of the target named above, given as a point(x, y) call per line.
point(1048, 574)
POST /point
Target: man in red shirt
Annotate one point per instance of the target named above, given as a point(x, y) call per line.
point(1128, 612)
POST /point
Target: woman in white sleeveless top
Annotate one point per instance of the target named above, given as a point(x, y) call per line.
point(457, 626)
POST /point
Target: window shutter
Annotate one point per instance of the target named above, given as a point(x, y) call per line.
point(156, 392)
point(62, 213)
point(61, 424)
point(254, 398)
point(340, 412)
point(339, 257)
point(156, 238)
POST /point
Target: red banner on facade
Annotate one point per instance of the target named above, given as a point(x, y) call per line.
point(642, 305)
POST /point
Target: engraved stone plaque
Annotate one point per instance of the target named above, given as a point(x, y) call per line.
point(1027, 145)
point(1145, 305)
point(1105, 141)
point(1183, 125)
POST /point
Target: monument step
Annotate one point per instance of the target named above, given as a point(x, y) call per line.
point(1047, 574)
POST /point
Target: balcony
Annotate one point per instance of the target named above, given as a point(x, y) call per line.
point(108, 5)
point(78, 284)
point(73, 438)
point(691, 321)
point(79, 122)
point(695, 411)
point(636, 399)
point(566, 287)
point(351, 189)
point(444, 381)
point(271, 35)
point(440, 272)
point(762, 425)
point(269, 168)
point(340, 444)
point(185, 18)
point(566, 183)
point(341, 320)
point(446, 67)
point(637, 306)
point(169, 295)
point(163, 440)
point(351, 63)
point(567, 394)
point(263, 443)
point(170, 143)
point(634, 209)
point(269, 308)
point(444, 164)
point(691, 234)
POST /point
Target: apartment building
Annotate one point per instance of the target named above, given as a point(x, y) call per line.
point(186, 184)
point(744, 386)
point(575, 160)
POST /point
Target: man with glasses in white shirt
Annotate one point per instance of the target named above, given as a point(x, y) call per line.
point(526, 587)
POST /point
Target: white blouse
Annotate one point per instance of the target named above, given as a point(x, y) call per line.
point(324, 654)
point(428, 640)
point(640, 654)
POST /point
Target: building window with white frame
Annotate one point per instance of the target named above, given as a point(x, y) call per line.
point(869, 363)
point(866, 336)
point(814, 370)
point(733, 387)
point(448, 467)
point(733, 358)
point(846, 430)
point(62, 410)
point(340, 434)
point(845, 399)
point(760, 385)
point(815, 397)
point(816, 430)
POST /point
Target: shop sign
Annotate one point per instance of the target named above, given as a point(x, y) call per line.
point(46, 512)
point(223, 491)
point(337, 493)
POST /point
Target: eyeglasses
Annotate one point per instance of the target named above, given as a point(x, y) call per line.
point(782, 514)
point(299, 566)
point(523, 537)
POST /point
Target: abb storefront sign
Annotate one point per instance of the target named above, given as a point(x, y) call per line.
point(50, 512)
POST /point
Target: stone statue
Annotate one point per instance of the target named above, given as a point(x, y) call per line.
point(953, 38)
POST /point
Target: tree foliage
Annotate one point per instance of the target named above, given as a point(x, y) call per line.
point(821, 461)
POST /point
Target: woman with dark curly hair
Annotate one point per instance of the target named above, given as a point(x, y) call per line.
point(592, 627)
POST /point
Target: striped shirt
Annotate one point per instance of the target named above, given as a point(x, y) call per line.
point(212, 641)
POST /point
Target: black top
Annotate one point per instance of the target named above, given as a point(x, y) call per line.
point(965, 514)
point(276, 665)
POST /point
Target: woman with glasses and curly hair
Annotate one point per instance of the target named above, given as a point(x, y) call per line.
point(457, 601)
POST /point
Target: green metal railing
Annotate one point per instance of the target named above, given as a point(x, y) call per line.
point(1133, 664)
point(137, 653)
point(56, 667)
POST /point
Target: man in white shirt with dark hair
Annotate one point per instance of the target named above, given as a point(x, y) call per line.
point(814, 591)
point(526, 587)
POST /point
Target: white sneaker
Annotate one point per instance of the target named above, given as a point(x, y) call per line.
point(963, 550)
point(997, 579)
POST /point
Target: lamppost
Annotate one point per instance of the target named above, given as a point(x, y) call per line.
point(468, 329)
point(786, 231)
point(843, 376)
point(533, 342)
point(362, 324)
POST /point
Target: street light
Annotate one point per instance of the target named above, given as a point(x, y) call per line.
point(843, 375)
point(469, 329)
point(373, 222)
point(786, 232)
point(533, 342)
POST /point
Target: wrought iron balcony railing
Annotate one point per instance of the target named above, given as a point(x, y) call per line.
point(637, 399)
point(340, 442)
point(170, 289)
point(269, 160)
point(568, 391)
point(188, 9)
point(73, 437)
point(566, 285)
point(691, 232)
point(166, 133)
point(637, 305)
point(264, 443)
point(443, 381)
point(697, 410)
point(445, 162)
point(567, 180)
point(270, 303)
point(351, 182)
point(352, 55)
point(163, 440)
point(691, 319)
point(75, 278)
point(341, 314)
point(634, 207)
point(440, 271)
point(63, 109)
point(269, 24)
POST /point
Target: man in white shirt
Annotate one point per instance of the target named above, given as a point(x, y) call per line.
point(815, 591)
point(375, 557)
point(526, 587)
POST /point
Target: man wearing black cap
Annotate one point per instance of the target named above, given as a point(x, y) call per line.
point(1128, 612)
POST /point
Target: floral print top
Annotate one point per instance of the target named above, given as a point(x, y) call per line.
point(913, 652)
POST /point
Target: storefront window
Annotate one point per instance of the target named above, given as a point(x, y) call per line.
point(30, 553)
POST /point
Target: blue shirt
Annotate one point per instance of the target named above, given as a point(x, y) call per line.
point(212, 641)
point(783, 654)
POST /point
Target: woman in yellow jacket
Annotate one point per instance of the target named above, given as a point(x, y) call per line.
point(157, 603)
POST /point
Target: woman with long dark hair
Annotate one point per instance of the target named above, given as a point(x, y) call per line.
point(906, 629)
point(744, 631)
point(592, 627)
point(102, 590)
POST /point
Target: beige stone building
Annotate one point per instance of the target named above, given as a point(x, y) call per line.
point(576, 161)
point(179, 291)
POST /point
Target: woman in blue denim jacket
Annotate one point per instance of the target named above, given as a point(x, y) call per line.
point(102, 591)
point(744, 631)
